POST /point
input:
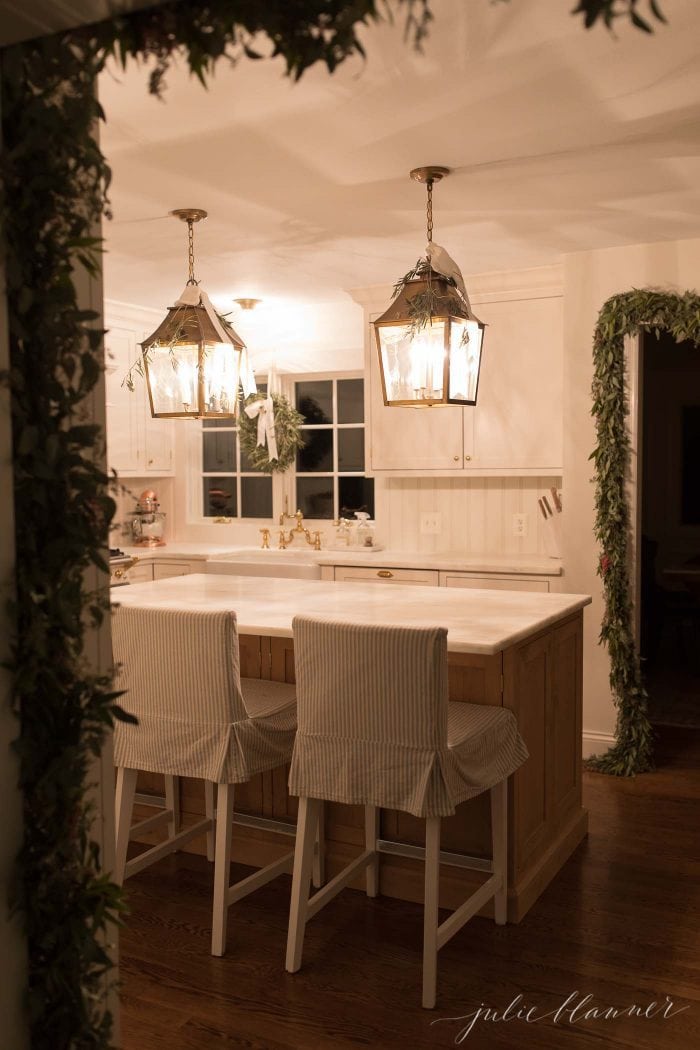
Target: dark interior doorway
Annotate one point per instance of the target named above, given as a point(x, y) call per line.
point(670, 528)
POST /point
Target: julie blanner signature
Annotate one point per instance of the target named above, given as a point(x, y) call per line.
point(576, 1007)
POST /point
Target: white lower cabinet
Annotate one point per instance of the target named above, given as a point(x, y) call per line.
point(434, 578)
point(142, 572)
point(493, 582)
point(416, 577)
point(163, 569)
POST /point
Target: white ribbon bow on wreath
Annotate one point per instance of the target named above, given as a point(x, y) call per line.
point(264, 409)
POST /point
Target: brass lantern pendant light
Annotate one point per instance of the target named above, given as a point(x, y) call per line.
point(194, 362)
point(429, 340)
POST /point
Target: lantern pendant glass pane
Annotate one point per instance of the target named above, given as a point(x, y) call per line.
point(172, 373)
point(466, 337)
point(414, 368)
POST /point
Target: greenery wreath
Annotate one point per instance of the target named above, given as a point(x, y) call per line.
point(287, 434)
point(623, 315)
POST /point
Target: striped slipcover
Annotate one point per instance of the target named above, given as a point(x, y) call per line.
point(196, 717)
point(375, 725)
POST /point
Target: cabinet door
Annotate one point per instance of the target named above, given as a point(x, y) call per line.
point(415, 577)
point(142, 572)
point(163, 570)
point(518, 417)
point(158, 444)
point(494, 583)
point(410, 439)
point(124, 407)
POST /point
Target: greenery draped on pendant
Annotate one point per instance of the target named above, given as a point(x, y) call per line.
point(624, 315)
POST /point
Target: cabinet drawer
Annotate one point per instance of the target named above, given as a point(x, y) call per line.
point(494, 583)
point(416, 577)
point(162, 570)
point(141, 573)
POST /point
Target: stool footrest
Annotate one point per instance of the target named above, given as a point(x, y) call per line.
point(456, 860)
point(259, 878)
point(150, 856)
point(339, 882)
point(464, 913)
point(150, 823)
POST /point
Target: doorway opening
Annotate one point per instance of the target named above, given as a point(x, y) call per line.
point(669, 621)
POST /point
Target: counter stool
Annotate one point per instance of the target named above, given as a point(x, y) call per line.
point(196, 718)
point(375, 728)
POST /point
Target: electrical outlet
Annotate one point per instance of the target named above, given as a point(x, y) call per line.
point(431, 524)
point(520, 525)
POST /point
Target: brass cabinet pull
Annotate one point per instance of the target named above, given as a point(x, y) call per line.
point(118, 573)
point(456, 459)
point(385, 574)
point(467, 457)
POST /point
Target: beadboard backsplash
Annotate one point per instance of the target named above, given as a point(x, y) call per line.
point(477, 513)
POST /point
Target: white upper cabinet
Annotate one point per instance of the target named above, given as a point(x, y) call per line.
point(137, 444)
point(516, 426)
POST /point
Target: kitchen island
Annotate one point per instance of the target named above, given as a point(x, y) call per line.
point(514, 649)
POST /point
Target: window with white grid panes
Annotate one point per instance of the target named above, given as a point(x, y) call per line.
point(330, 477)
point(231, 486)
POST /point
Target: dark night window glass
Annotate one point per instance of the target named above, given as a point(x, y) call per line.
point(317, 454)
point(256, 497)
point(690, 511)
point(219, 497)
point(315, 401)
point(351, 449)
point(209, 424)
point(355, 494)
point(315, 497)
point(218, 452)
point(351, 401)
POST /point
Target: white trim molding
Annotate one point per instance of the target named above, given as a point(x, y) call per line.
point(593, 743)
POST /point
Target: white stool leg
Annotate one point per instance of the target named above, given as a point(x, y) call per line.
point(209, 803)
point(430, 910)
point(172, 802)
point(123, 806)
point(318, 874)
point(499, 844)
point(371, 836)
point(222, 867)
point(307, 821)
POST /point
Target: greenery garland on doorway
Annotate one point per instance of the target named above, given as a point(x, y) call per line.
point(54, 185)
point(624, 315)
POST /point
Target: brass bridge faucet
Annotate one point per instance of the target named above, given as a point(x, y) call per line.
point(285, 538)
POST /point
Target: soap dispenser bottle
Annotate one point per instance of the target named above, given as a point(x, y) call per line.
point(365, 532)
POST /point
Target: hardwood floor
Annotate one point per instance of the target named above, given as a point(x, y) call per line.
point(619, 923)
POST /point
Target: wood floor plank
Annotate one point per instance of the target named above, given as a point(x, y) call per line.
point(619, 923)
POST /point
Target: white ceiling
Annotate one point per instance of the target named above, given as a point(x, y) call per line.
point(561, 140)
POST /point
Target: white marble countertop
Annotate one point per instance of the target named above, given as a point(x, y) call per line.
point(478, 621)
point(512, 564)
point(191, 551)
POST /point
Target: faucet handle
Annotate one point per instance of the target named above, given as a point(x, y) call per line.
point(265, 539)
point(317, 540)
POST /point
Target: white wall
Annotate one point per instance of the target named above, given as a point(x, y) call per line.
point(589, 279)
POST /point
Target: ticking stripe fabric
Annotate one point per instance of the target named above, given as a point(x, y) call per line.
point(375, 725)
point(196, 718)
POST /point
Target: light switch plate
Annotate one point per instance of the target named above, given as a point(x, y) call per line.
point(431, 523)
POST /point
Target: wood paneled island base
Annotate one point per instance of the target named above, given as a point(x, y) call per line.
point(539, 678)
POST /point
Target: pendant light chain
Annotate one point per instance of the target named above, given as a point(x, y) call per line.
point(429, 211)
point(190, 247)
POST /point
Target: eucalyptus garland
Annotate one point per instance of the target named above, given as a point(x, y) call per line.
point(623, 315)
point(288, 435)
point(54, 186)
